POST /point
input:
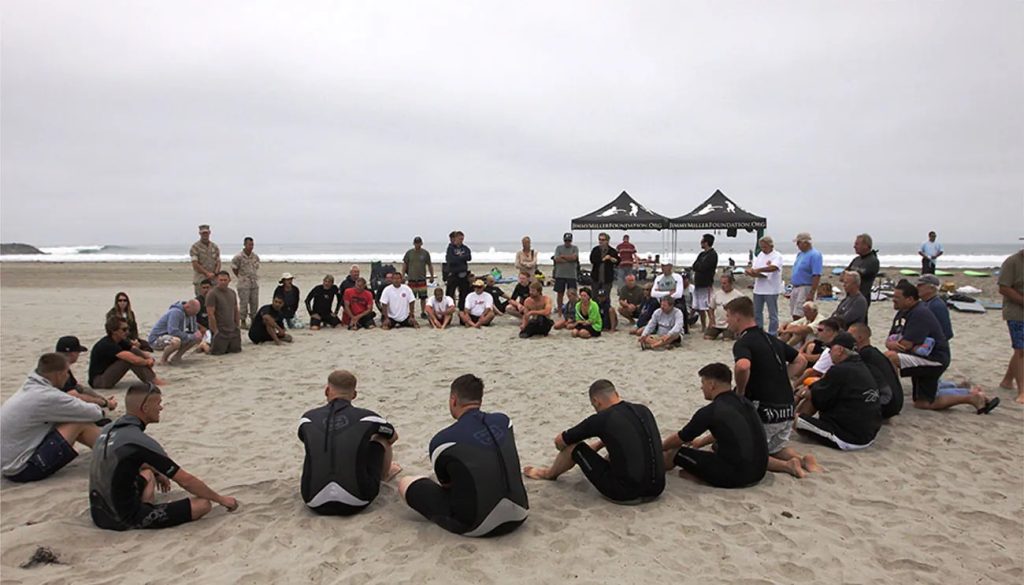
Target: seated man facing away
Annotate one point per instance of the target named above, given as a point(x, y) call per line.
point(853, 308)
point(320, 304)
point(348, 451)
point(588, 317)
point(716, 308)
point(176, 331)
point(846, 400)
point(479, 307)
point(567, 312)
point(268, 324)
point(646, 310)
point(740, 448)
point(40, 423)
point(440, 309)
point(113, 356)
point(665, 328)
point(397, 305)
point(128, 466)
point(634, 470)
point(358, 302)
point(536, 311)
point(796, 333)
point(481, 492)
point(69, 347)
point(887, 379)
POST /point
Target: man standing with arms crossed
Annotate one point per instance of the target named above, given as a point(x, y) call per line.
point(245, 265)
point(205, 257)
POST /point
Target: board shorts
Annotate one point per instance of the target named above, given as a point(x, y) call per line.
point(476, 319)
point(419, 288)
point(588, 327)
point(561, 284)
point(1016, 334)
point(714, 470)
point(797, 297)
point(702, 298)
point(598, 471)
point(50, 456)
point(909, 360)
point(778, 435)
point(155, 516)
point(162, 342)
point(827, 433)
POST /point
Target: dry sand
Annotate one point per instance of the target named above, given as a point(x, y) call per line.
point(937, 499)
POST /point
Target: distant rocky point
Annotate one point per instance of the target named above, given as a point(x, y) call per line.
point(6, 249)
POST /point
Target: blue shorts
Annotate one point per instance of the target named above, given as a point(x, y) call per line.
point(563, 283)
point(1016, 334)
point(51, 455)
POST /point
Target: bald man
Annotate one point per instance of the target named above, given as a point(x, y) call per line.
point(129, 466)
point(176, 331)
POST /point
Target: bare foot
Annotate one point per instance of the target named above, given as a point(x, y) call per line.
point(975, 389)
point(1020, 398)
point(811, 463)
point(393, 471)
point(535, 472)
point(159, 382)
point(794, 468)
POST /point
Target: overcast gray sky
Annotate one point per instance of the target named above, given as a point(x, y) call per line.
point(131, 122)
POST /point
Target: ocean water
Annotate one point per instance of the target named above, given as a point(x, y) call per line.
point(835, 253)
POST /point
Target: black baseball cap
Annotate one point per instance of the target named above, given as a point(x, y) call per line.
point(843, 339)
point(70, 343)
point(566, 236)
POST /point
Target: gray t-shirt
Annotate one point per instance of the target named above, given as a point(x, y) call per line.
point(566, 269)
point(417, 263)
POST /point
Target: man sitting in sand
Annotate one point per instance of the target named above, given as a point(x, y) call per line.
point(815, 351)
point(358, 303)
point(740, 454)
point(176, 331)
point(114, 355)
point(40, 423)
point(887, 379)
point(853, 308)
point(440, 309)
point(631, 295)
point(479, 305)
point(764, 366)
point(716, 308)
point(397, 305)
point(646, 309)
point(567, 312)
point(268, 324)
point(665, 329)
point(320, 304)
point(129, 466)
point(479, 491)
point(799, 332)
point(846, 400)
point(634, 470)
point(536, 311)
point(501, 299)
point(348, 451)
point(519, 295)
point(69, 347)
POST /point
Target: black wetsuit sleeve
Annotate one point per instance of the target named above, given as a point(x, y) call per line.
point(161, 463)
point(385, 429)
point(309, 301)
point(585, 430)
point(700, 422)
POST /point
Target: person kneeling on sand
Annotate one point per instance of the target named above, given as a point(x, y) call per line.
point(665, 328)
point(740, 448)
point(634, 470)
point(348, 451)
point(176, 331)
point(129, 466)
point(481, 491)
point(846, 400)
point(268, 324)
point(440, 309)
point(114, 355)
point(536, 309)
point(40, 423)
point(479, 305)
point(588, 317)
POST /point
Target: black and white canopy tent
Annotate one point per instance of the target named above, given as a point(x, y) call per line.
point(622, 213)
point(718, 212)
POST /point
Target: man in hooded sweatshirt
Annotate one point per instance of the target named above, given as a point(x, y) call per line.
point(177, 331)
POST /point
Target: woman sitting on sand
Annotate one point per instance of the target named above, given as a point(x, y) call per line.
point(123, 308)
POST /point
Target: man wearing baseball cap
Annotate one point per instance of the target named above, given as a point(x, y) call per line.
point(806, 275)
point(70, 348)
point(928, 290)
point(567, 258)
point(846, 400)
point(479, 309)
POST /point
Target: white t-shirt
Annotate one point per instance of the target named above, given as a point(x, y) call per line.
point(478, 303)
point(397, 299)
point(771, 284)
point(824, 363)
point(441, 306)
point(719, 298)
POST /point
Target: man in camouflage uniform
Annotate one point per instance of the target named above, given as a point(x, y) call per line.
point(245, 265)
point(205, 257)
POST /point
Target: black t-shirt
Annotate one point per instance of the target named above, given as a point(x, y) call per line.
point(704, 268)
point(291, 300)
point(867, 266)
point(103, 354)
point(320, 300)
point(630, 434)
point(202, 317)
point(258, 330)
point(889, 386)
point(496, 294)
point(71, 384)
point(520, 292)
point(769, 377)
point(603, 271)
point(739, 434)
point(848, 397)
point(916, 325)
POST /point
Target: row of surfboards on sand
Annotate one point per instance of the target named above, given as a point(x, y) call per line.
point(912, 272)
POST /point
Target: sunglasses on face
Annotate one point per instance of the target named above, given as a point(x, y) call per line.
point(122, 300)
point(152, 390)
point(122, 328)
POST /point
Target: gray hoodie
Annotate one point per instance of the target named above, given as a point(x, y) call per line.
point(174, 322)
point(30, 414)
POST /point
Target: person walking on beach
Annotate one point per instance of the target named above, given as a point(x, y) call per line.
point(205, 257)
point(1011, 287)
point(929, 252)
point(865, 264)
point(766, 270)
point(457, 257)
point(246, 265)
point(222, 312)
point(416, 265)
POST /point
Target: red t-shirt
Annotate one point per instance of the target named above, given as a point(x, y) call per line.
point(627, 253)
point(358, 300)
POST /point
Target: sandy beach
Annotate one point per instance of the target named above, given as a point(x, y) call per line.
point(938, 499)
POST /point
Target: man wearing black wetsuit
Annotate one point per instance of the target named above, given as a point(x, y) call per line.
point(890, 389)
point(348, 451)
point(122, 493)
point(740, 456)
point(481, 492)
point(634, 470)
point(320, 304)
